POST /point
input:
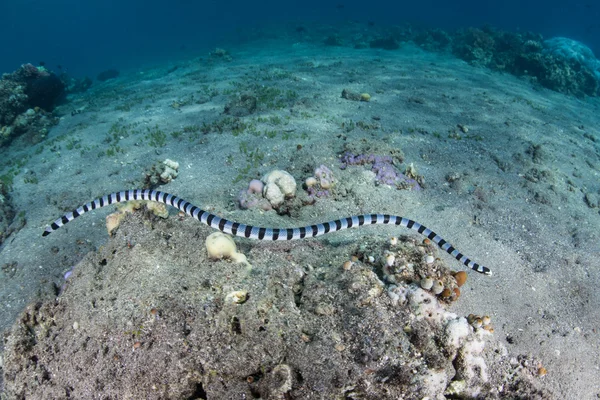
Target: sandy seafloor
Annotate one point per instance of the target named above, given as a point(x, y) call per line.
point(524, 166)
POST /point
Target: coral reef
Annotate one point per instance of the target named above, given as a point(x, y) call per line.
point(43, 88)
point(27, 96)
point(433, 39)
point(559, 64)
point(474, 45)
point(572, 51)
point(32, 125)
point(13, 101)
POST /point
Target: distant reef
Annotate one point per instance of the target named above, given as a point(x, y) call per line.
point(560, 64)
point(27, 98)
point(108, 74)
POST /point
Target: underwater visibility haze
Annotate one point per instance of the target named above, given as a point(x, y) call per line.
point(299, 200)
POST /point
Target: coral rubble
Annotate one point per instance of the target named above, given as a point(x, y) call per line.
point(149, 316)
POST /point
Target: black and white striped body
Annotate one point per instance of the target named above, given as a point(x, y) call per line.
point(259, 233)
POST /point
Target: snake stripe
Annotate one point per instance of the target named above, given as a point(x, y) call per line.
point(262, 233)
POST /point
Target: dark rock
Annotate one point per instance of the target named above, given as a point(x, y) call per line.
point(108, 74)
point(45, 92)
point(350, 95)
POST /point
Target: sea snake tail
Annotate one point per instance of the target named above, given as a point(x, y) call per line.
point(255, 232)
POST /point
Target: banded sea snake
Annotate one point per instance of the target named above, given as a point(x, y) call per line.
point(260, 233)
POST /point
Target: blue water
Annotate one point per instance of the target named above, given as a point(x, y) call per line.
point(509, 172)
point(88, 37)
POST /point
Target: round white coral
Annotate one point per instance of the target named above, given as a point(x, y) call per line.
point(279, 185)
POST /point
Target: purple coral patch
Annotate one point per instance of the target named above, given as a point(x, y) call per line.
point(385, 172)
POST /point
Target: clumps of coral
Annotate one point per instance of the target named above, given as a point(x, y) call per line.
point(27, 96)
point(277, 190)
point(252, 196)
point(279, 186)
point(161, 173)
point(272, 191)
point(560, 64)
point(43, 88)
point(572, 51)
point(32, 125)
point(407, 261)
point(385, 171)
point(452, 352)
point(115, 219)
point(320, 184)
point(481, 322)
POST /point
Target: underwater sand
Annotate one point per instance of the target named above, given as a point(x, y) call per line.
point(520, 170)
